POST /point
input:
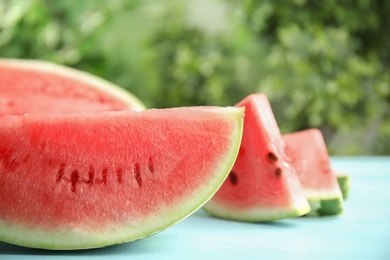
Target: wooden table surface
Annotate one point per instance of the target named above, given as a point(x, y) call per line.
point(361, 232)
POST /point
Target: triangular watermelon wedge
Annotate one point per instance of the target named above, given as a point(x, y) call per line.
point(262, 185)
point(89, 180)
point(310, 158)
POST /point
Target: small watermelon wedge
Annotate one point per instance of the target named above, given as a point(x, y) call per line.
point(309, 156)
point(90, 180)
point(41, 87)
point(262, 185)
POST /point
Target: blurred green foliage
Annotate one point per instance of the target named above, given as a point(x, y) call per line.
point(323, 64)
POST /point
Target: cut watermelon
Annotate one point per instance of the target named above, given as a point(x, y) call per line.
point(309, 155)
point(39, 87)
point(262, 185)
point(89, 180)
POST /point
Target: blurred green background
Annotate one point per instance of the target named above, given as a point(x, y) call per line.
point(323, 64)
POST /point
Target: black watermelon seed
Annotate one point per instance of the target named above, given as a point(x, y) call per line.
point(272, 157)
point(233, 178)
point(278, 172)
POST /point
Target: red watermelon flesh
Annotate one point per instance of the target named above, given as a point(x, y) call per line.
point(262, 185)
point(39, 87)
point(310, 158)
point(95, 179)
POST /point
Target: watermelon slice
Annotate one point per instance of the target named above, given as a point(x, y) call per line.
point(89, 180)
point(28, 86)
point(262, 185)
point(309, 155)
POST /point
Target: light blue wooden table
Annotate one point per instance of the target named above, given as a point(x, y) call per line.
point(362, 232)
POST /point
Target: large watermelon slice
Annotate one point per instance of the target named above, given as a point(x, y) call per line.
point(262, 185)
point(89, 180)
point(309, 155)
point(42, 87)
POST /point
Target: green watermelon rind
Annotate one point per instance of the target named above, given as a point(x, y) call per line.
point(325, 207)
point(77, 75)
point(344, 182)
point(324, 203)
point(72, 240)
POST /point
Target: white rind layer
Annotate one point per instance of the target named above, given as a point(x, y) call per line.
point(318, 194)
